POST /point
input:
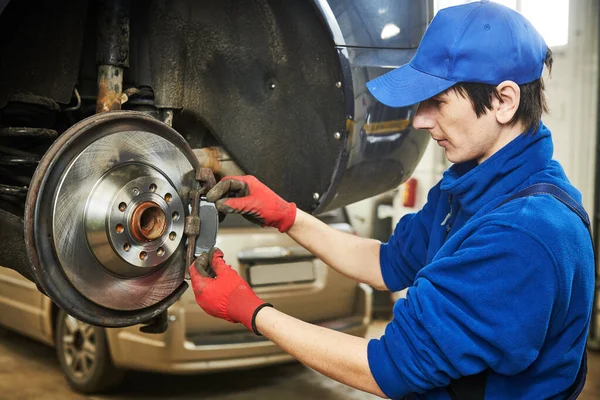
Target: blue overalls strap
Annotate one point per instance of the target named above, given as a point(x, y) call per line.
point(563, 197)
point(473, 387)
point(558, 194)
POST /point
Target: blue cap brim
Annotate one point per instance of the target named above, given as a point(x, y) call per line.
point(406, 86)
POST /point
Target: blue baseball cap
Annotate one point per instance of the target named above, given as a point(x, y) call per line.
point(479, 42)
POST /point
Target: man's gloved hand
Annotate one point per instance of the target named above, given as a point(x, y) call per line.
point(227, 296)
point(248, 196)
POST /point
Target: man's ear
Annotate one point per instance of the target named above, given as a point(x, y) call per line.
point(510, 98)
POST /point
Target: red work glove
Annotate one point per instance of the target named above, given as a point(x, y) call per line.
point(246, 195)
point(227, 296)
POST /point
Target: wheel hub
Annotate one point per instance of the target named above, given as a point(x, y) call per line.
point(78, 340)
point(133, 220)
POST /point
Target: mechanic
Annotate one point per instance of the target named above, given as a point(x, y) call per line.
point(499, 288)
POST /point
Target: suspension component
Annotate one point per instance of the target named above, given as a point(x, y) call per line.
point(28, 132)
point(112, 53)
point(17, 191)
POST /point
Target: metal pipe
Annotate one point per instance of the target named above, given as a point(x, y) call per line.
point(78, 98)
point(110, 88)
point(112, 53)
point(218, 160)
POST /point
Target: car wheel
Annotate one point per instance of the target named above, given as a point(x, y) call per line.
point(84, 356)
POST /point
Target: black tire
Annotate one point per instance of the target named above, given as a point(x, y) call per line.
point(84, 356)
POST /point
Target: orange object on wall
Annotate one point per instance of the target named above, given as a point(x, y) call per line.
point(410, 193)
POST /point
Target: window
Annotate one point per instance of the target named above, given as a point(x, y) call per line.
point(550, 17)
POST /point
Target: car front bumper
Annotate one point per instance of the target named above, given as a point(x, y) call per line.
point(174, 352)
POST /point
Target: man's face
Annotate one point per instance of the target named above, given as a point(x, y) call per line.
point(453, 124)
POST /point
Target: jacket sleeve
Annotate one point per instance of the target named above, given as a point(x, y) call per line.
point(486, 306)
point(405, 253)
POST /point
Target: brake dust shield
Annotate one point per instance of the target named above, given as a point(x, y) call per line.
point(104, 219)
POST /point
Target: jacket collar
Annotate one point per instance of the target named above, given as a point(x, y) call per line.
point(474, 185)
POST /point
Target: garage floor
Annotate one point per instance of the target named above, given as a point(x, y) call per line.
point(29, 371)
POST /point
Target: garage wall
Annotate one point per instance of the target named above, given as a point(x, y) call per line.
point(572, 97)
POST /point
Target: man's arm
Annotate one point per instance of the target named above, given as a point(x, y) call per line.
point(337, 355)
point(351, 255)
point(228, 296)
point(364, 260)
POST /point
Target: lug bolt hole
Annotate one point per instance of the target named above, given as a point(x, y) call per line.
point(172, 235)
point(143, 255)
point(152, 188)
point(126, 247)
point(168, 197)
point(175, 216)
point(119, 228)
point(122, 206)
point(160, 251)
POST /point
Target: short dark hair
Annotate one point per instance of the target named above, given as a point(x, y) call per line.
point(533, 101)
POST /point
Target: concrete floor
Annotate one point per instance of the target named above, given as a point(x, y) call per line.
point(29, 371)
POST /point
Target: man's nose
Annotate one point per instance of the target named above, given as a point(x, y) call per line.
point(424, 117)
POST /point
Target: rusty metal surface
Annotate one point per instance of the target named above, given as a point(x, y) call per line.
point(206, 180)
point(40, 44)
point(110, 88)
point(39, 216)
point(112, 53)
point(218, 161)
point(192, 225)
point(148, 222)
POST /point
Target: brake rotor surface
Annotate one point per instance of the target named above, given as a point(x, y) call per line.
point(106, 213)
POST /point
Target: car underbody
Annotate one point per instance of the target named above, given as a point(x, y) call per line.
point(108, 109)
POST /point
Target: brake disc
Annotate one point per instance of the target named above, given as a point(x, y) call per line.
point(105, 218)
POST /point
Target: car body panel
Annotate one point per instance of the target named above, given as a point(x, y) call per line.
point(375, 19)
point(21, 304)
point(380, 141)
point(175, 352)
